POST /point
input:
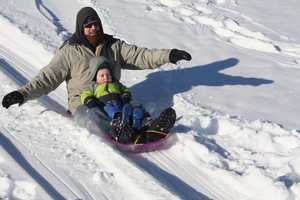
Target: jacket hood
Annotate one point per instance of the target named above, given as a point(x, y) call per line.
point(82, 16)
point(86, 14)
point(99, 62)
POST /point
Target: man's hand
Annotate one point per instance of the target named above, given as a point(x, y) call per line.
point(176, 55)
point(12, 98)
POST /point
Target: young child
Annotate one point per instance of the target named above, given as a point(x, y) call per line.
point(129, 124)
point(113, 98)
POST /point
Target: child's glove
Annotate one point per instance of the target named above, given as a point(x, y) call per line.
point(126, 97)
point(91, 102)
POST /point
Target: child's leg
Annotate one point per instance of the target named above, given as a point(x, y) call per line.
point(126, 113)
point(164, 122)
point(159, 127)
point(112, 108)
point(137, 116)
point(124, 133)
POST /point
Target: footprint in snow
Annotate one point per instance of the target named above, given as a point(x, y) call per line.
point(103, 176)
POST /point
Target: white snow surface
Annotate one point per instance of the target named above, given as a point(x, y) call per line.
point(237, 137)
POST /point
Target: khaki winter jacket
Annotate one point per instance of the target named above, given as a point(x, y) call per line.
point(71, 64)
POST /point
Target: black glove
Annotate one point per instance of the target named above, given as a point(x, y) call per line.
point(91, 102)
point(176, 55)
point(12, 98)
point(126, 97)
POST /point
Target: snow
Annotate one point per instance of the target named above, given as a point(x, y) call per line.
point(237, 136)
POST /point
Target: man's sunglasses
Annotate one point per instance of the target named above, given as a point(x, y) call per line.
point(96, 24)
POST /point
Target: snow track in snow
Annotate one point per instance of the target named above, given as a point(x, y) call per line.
point(35, 167)
point(229, 25)
point(52, 18)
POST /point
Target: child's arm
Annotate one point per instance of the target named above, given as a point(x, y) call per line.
point(126, 95)
point(85, 94)
point(123, 88)
point(87, 98)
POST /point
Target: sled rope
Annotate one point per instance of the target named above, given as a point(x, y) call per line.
point(137, 139)
point(158, 132)
point(149, 131)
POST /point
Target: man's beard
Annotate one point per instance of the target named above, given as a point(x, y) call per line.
point(96, 39)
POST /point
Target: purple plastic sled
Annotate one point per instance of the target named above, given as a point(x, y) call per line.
point(139, 148)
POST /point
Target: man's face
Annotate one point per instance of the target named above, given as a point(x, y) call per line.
point(92, 30)
point(103, 76)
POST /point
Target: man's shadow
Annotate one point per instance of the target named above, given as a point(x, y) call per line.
point(157, 91)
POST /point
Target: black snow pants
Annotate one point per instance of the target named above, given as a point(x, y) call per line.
point(94, 119)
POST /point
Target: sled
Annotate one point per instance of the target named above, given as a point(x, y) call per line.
point(139, 148)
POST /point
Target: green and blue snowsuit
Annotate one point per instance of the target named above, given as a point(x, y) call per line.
point(109, 96)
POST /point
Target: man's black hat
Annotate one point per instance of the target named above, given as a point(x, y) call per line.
point(86, 16)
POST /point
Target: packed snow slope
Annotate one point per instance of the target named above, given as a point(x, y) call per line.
point(237, 136)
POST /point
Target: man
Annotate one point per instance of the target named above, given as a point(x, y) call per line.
point(71, 61)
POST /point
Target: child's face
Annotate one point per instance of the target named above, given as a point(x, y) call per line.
point(103, 76)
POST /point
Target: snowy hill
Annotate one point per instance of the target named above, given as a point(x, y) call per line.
point(238, 136)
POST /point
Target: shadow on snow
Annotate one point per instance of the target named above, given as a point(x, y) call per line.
point(165, 84)
point(10, 148)
point(51, 17)
point(171, 182)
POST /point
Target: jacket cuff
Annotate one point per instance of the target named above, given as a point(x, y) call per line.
point(168, 56)
point(25, 95)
